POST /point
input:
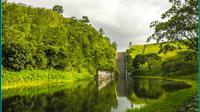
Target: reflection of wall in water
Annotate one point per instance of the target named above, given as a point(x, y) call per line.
point(104, 78)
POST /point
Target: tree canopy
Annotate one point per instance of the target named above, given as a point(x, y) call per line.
point(141, 59)
point(180, 24)
point(59, 9)
point(38, 38)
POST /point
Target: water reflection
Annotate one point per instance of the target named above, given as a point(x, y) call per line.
point(148, 88)
point(84, 97)
point(171, 86)
point(78, 99)
point(123, 104)
point(144, 90)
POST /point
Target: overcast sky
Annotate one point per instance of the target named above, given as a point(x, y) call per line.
point(123, 21)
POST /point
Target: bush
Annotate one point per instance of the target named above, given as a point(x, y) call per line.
point(17, 55)
point(179, 67)
point(40, 60)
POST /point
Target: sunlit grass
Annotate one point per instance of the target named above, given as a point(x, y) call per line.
point(26, 78)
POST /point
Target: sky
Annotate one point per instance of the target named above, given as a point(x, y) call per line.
point(123, 21)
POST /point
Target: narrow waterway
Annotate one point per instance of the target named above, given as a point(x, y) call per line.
point(122, 91)
point(84, 96)
point(118, 96)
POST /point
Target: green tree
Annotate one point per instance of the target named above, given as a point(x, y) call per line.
point(151, 58)
point(141, 59)
point(85, 19)
point(138, 61)
point(115, 45)
point(57, 8)
point(101, 31)
point(180, 25)
point(130, 44)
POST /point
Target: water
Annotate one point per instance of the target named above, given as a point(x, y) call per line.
point(84, 96)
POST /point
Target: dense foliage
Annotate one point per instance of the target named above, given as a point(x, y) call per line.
point(180, 24)
point(58, 9)
point(141, 59)
point(38, 38)
point(185, 62)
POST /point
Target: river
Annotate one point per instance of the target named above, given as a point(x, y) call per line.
point(85, 97)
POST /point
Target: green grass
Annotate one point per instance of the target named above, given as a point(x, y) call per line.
point(172, 101)
point(26, 78)
point(152, 48)
point(186, 79)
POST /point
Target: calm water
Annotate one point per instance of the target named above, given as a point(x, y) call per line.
point(84, 96)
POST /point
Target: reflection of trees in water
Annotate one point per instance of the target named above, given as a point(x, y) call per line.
point(147, 88)
point(142, 89)
point(25, 104)
point(70, 100)
point(171, 86)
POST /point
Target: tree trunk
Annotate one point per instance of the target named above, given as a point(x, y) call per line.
point(149, 67)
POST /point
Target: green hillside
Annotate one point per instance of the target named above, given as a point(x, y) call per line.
point(151, 48)
point(157, 69)
point(43, 42)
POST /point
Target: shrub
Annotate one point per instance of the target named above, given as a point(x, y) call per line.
point(17, 55)
point(179, 67)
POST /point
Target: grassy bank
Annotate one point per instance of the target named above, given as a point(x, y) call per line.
point(29, 78)
point(186, 79)
point(172, 101)
point(177, 63)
